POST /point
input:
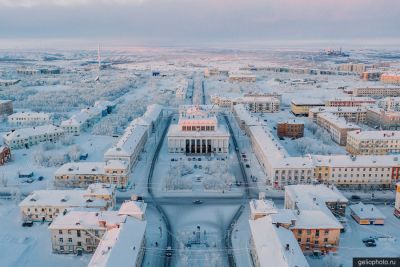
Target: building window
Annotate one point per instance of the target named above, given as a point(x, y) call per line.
point(60, 232)
point(61, 239)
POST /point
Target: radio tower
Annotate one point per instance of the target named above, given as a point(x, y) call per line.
point(99, 60)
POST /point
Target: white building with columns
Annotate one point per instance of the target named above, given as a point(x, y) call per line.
point(198, 132)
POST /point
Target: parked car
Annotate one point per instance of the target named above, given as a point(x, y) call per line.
point(197, 201)
point(40, 178)
point(370, 244)
point(355, 197)
point(247, 166)
point(27, 224)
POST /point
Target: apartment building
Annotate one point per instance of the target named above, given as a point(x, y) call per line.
point(198, 132)
point(350, 114)
point(336, 126)
point(87, 117)
point(290, 128)
point(390, 103)
point(383, 119)
point(27, 137)
point(46, 205)
point(371, 75)
point(5, 154)
point(244, 118)
point(352, 67)
point(242, 77)
point(6, 107)
point(301, 107)
point(28, 118)
point(391, 78)
point(350, 102)
point(316, 206)
point(373, 142)
point(380, 171)
point(376, 91)
point(82, 231)
point(263, 102)
point(272, 245)
point(82, 174)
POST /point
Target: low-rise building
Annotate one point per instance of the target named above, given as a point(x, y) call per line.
point(27, 137)
point(371, 75)
point(6, 107)
point(336, 126)
point(28, 118)
point(357, 171)
point(373, 142)
point(350, 102)
point(390, 103)
point(350, 114)
point(5, 154)
point(268, 102)
point(242, 77)
point(301, 107)
point(316, 228)
point(198, 132)
point(82, 174)
point(290, 128)
point(352, 67)
point(367, 214)
point(82, 231)
point(383, 119)
point(46, 205)
point(391, 78)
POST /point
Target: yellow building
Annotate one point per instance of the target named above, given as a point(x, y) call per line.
point(301, 107)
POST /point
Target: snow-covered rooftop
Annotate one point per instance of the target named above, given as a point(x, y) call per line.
point(366, 211)
point(28, 115)
point(26, 133)
point(81, 168)
point(315, 219)
point(120, 246)
point(134, 209)
point(308, 102)
point(366, 161)
point(338, 122)
point(337, 109)
point(275, 246)
point(374, 135)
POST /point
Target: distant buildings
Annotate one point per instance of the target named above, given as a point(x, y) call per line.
point(209, 72)
point(37, 71)
point(373, 142)
point(390, 103)
point(350, 114)
point(87, 117)
point(46, 205)
point(290, 128)
point(301, 107)
point(268, 102)
point(83, 174)
point(376, 91)
point(350, 102)
point(353, 67)
point(371, 75)
point(5, 154)
point(336, 126)
point(382, 119)
point(8, 82)
point(366, 214)
point(28, 118)
point(6, 107)
point(198, 132)
point(27, 137)
point(242, 77)
point(391, 78)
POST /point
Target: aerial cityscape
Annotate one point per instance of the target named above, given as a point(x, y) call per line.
point(236, 147)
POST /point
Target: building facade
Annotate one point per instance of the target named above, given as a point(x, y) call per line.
point(6, 107)
point(391, 78)
point(376, 91)
point(336, 126)
point(301, 107)
point(5, 154)
point(382, 119)
point(290, 128)
point(28, 118)
point(373, 142)
point(350, 114)
point(350, 102)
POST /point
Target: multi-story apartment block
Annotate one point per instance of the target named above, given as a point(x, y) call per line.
point(242, 77)
point(81, 231)
point(27, 137)
point(28, 118)
point(390, 103)
point(82, 174)
point(383, 119)
point(350, 114)
point(336, 126)
point(87, 117)
point(350, 102)
point(322, 204)
point(391, 78)
point(263, 102)
point(376, 91)
point(244, 118)
point(290, 128)
point(198, 132)
point(371, 75)
point(5, 154)
point(6, 107)
point(373, 142)
point(353, 67)
point(301, 107)
point(46, 205)
point(357, 171)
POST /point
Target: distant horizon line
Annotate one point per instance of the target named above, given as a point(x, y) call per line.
point(242, 44)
